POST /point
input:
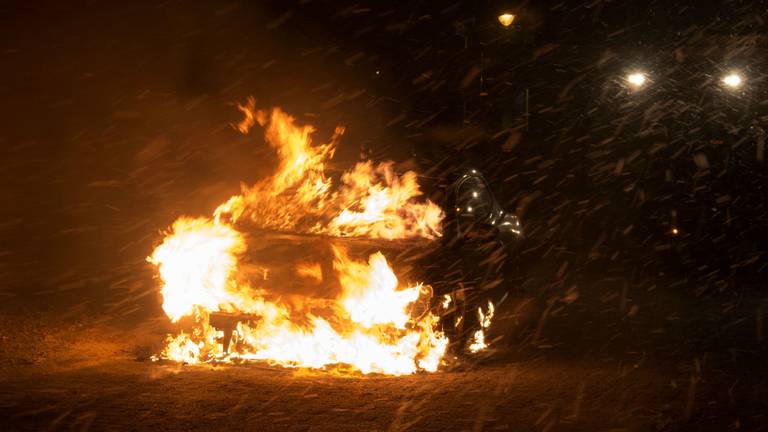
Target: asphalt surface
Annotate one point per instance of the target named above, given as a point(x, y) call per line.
point(606, 356)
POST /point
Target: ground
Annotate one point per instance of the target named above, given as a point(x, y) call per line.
point(664, 361)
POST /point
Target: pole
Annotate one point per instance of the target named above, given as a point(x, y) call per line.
point(527, 113)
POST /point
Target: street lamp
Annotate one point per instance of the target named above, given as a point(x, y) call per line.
point(506, 19)
point(733, 80)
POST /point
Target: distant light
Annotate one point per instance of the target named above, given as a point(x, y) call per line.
point(733, 80)
point(506, 19)
point(675, 231)
point(636, 79)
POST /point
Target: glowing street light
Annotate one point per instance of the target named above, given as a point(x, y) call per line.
point(733, 80)
point(506, 19)
point(636, 79)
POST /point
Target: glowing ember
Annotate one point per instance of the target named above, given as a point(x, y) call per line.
point(368, 326)
point(446, 301)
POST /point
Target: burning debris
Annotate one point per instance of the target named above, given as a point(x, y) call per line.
point(478, 339)
point(368, 325)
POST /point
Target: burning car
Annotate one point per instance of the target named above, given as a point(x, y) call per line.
point(279, 272)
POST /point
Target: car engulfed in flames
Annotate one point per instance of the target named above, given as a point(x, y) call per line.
point(292, 270)
point(366, 323)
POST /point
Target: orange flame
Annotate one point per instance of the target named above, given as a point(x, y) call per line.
point(368, 326)
point(371, 200)
point(195, 264)
point(478, 338)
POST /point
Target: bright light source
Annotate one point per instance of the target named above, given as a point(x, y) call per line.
point(675, 231)
point(733, 80)
point(506, 19)
point(636, 79)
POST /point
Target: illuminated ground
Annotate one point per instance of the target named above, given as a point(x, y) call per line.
point(654, 372)
point(513, 396)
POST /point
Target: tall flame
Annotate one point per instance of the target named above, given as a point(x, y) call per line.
point(369, 325)
point(372, 200)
